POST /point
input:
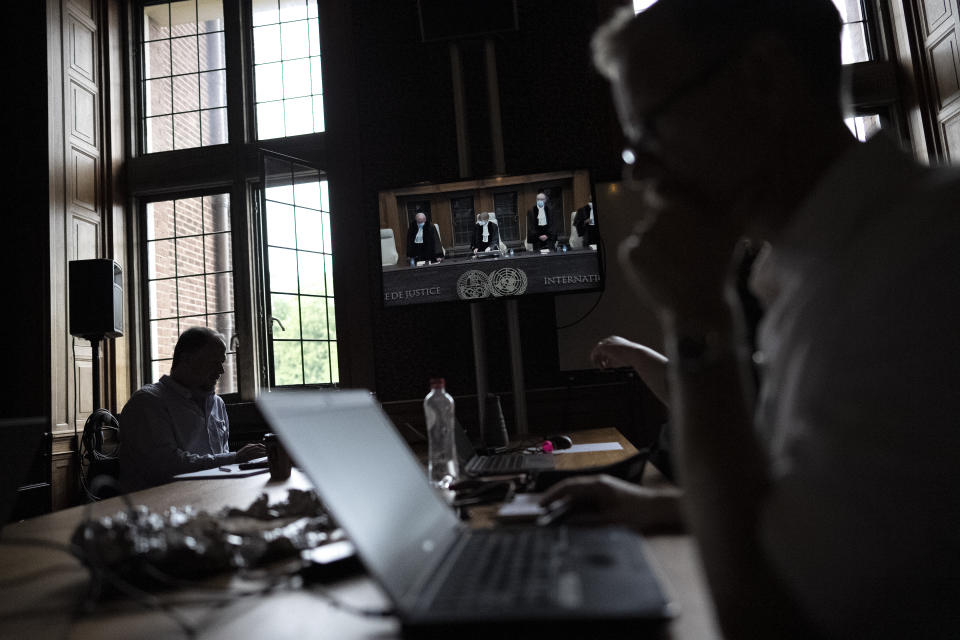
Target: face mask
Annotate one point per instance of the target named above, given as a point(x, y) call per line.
point(420, 225)
point(540, 203)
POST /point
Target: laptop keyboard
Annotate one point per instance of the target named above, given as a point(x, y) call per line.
point(503, 463)
point(508, 463)
point(505, 568)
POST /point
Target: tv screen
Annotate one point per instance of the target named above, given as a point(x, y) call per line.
point(490, 238)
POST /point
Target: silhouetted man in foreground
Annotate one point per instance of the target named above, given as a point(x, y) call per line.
point(824, 503)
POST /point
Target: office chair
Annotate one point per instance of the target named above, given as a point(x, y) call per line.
point(576, 242)
point(443, 248)
point(388, 248)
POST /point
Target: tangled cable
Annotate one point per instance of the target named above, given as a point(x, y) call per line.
point(93, 459)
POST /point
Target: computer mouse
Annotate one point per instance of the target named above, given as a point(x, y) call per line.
point(560, 442)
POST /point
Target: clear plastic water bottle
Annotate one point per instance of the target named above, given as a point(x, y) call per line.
point(438, 406)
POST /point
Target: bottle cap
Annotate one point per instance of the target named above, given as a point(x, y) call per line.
point(437, 382)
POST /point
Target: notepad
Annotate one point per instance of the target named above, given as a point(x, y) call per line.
point(590, 447)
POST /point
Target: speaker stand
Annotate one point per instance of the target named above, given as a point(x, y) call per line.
point(95, 363)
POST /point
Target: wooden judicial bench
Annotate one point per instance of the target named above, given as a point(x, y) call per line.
point(41, 587)
point(467, 278)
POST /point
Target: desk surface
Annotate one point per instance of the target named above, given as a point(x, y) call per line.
point(40, 587)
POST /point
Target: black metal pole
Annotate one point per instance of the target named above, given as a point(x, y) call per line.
point(95, 353)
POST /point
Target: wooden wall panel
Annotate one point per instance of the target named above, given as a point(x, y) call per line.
point(84, 108)
point(82, 7)
point(935, 12)
point(78, 217)
point(81, 48)
point(951, 135)
point(946, 69)
point(85, 236)
point(82, 183)
point(63, 477)
point(84, 374)
point(935, 36)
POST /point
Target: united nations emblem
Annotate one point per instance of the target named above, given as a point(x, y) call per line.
point(508, 282)
point(472, 285)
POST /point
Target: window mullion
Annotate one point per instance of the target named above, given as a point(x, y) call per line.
point(235, 47)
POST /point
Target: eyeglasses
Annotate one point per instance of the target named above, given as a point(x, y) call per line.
point(643, 134)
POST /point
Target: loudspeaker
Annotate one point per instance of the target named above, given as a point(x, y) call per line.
point(96, 298)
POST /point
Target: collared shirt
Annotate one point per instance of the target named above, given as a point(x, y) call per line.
point(860, 403)
point(166, 430)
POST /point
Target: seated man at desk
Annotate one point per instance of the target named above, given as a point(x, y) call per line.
point(823, 502)
point(541, 224)
point(179, 424)
point(486, 234)
point(423, 241)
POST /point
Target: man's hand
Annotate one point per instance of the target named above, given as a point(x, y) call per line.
point(614, 351)
point(681, 253)
point(543, 238)
point(602, 499)
point(250, 452)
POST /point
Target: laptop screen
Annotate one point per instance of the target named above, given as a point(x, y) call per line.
point(368, 478)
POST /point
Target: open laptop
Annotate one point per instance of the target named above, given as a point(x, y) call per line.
point(504, 463)
point(442, 576)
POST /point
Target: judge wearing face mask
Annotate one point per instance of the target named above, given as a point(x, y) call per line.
point(423, 241)
point(486, 234)
point(541, 232)
point(586, 224)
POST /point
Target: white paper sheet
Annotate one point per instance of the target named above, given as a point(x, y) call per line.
point(593, 446)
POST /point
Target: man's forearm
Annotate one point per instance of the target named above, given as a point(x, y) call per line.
point(652, 369)
point(724, 472)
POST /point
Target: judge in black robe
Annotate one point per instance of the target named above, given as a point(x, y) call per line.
point(485, 225)
point(423, 243)
point(541, 225)
point(585, 222)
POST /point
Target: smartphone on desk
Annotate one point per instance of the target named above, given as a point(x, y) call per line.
point(256, 463)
